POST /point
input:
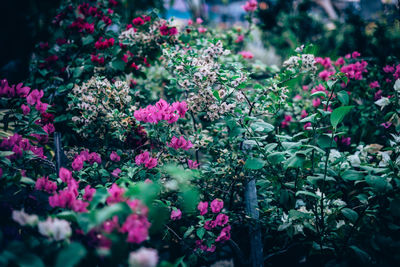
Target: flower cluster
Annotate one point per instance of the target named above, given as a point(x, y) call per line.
point(162, 111)
point(180, 142)
point(144, 158)
point(83, 157)
point(101, 105)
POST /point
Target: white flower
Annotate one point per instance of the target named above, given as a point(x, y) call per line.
point(354, 160)
point(396, 86)
point(334, 155)
point(144, 257)
point(55, 229)
point(385, 158)
point(340, 224)
point(24, 219)
point(383, 102)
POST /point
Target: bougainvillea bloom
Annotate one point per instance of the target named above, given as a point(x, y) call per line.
point(89, 193)
point(225, 234)
point(217, 205)
point(115, 194)
point(180, 142)
point(162, 111)
point(222, 219)
point(202, 207)
point(246, 54)
point(250, 6)
point(45, 184)
point(193, 164)
point(176, 214)
point(114, 157)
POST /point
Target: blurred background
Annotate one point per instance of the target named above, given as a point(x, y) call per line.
point(336, 27)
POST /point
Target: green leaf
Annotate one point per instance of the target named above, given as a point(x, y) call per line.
point(325, 141)
point(319, 93)
point(295, 161)
point(338, 114)
point(118, 65)
point(380, 184)
point(343, 97)
point(87, 40)
point(276, 157)
point(350, 214)
point(109, 211)
point(254, 163)
point(352, 175)
point(188, 231)
point(29, 260)
point(71, 255)
point(200, 232)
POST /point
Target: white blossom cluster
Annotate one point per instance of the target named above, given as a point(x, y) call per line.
point(199, 73)
point(101, 106)
point(305, 62)
point(55, 229)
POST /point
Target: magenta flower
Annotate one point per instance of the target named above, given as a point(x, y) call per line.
point(193, 164)
point(116, 172)
point(176, 214)
point(355, 54)
point(114, 157)
point(77, 164)
point(222, 219)
point(239, 39)
point(386, 125)
point(21, 90)
point(225, 234)
point(115, 194)
point(89, 193)
point(202, 207)
point(316, 102)
point(180, 142)
point(25, 109)
point(65, 175)
point(217, 205)
point(151, 163)
point(307, 126)
point(34, 97)
point(374, 84)
point(45, 184)
point(250, 6)
point(304, 113)
point(210, 224)
point(246, 54)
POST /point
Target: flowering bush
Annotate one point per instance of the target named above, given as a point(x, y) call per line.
point(224, 159)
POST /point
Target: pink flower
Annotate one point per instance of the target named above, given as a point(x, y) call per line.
point(222, 219)
point(115, 194)
point(193, 164)
point(190, 22)
point(246, 54)
point(77, 164)
point(389, 69)
point(386, 125)
point(151, 163)
point(180, 142)
point(114, 157)
point(142, 158)
point(305, 88)
point(199, 21)
point(25, 109)
point(45, 184)
point(325, 62)
point(94, 157)
point(217, 205)
point(239, 39)
point(138, 21)
point(143, 257)
point(176, 214)
point(325, 75)
point(202, 29)
point(21, 90)
point(110, 225)
point(65, 175)
point(307, 125)
point(340, 61)
point(210, 224)
point(202, 207)
point(250, 6)
point(304, 114)
point(378, 95)
point(316, 102)
point(89, 193)
point(297, 97)
point(225, 234)
point(41, 107)
point(374, 84)
point(137, 226)
point(34, 97)
point(355, 54)
point(116, 172)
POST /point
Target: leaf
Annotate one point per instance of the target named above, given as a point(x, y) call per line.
point(338, 114)
point(71, 255)
point(306, 193)
point(118, 65)
point(109, 211)
point(352, 175)
point(310, 118)
point(254, 163)
point(276, 157)
point(380, 184)
point(364, 257)
point(29, 260)
point(261, 126)
point(87, 40)
point(188, 231)
point(343, 97)
point(319, 93)
point(200, 232)
point(350, 214)
point(295, 161)
point(325, 141)
point(6, 153)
